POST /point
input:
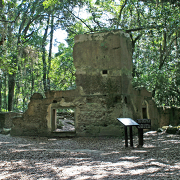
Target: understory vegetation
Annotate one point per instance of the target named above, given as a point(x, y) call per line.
point(28, 63)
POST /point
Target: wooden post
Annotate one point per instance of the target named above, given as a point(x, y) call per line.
point(126, 136)
point(140, 135)
point(131, 136)
point(53, 120)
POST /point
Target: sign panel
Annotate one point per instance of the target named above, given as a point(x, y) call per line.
point(144, 123)
point(127, 122)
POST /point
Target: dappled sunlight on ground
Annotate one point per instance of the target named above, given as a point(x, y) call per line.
point(89, 158)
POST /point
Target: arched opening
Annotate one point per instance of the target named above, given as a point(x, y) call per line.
point(145, 112)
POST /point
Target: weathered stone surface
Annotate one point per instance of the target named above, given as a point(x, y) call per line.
point(103, 92)
point(6, 119)
point(171, 130)
point(101, 60)
point(2, 120)
point(36, 96)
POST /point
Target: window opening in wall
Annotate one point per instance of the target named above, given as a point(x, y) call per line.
point(104, 72)
point(125, 100)
point(144, 113)
point(65, 120)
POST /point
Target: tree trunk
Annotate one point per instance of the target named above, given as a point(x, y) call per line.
point(24, 96)
point(133, 42)
point(0, 94)
point(44, 55)
point(50, 52)
point(4, 94)
point(32, 82)
point(1, 4)
point(11, 85)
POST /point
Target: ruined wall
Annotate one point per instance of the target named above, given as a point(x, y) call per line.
point(104, 92)
point(103, 64)
point(33, 121)
point(37, 119)
point(169, 116)
point(6, 119)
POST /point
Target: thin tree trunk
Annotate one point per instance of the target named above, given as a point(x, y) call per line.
point(0, 94)
point(11, 85)
point(11, 77)
point(1, 4)
point(4, 94)
point(32, 81)
point(24, 97)
point(133, 42)
point(50, 52)
point(44, 55)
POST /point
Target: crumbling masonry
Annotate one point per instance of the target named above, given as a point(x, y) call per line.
point(104, 92)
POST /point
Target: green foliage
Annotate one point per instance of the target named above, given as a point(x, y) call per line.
point(48, 3)
point(62, 74)
point(152, 26)
point(156, 60)
point(155, 40)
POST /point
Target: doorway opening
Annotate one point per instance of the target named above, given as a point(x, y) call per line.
point(64, 120)
point(144, 113)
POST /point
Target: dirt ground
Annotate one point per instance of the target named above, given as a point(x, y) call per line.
point(86, 158)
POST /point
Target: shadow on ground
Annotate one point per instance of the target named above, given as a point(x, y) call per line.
point(89, 158)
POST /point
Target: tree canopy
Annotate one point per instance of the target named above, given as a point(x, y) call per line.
point(27, 27)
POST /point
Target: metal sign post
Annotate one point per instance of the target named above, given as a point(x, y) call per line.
point(143, 124)
point(128, 122)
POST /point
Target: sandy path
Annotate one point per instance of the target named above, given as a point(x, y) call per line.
point(89, 158)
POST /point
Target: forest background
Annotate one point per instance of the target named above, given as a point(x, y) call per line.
point(28, 26)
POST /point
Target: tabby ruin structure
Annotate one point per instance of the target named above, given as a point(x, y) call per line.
point(103, 92)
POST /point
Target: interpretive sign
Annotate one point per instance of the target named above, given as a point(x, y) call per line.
point(128, 122)
point(144, 123)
